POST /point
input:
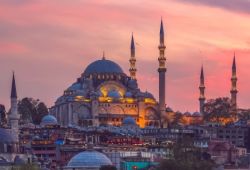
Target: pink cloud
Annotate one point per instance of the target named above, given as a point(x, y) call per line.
point(10, 47)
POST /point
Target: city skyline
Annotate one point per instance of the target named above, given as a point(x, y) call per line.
point(49, 49)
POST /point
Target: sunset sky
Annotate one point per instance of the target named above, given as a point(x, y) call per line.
point(49, 43)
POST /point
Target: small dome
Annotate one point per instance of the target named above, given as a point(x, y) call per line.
point(49, 120)
point(114, 94)
point(19, 161)
point(6, 136)
point(132, 84)
point(168, 109)
point(148, 95)
point(128, 94)
point(75, 86)
point(140, 94)
point(103, 66)
point(187, 114)
point(129, 121)
point(89, 159)
point(196, 114)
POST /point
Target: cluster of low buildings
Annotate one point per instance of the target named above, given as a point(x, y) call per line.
point(128, 146)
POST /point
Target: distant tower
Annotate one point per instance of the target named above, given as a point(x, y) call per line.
point(202, 97)
point(162, 70)
point(234, 90)
point(132, 59)
point(13, 117)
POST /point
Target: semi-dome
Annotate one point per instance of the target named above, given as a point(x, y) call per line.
point(197, 114)
point(128, 94)
point(75, 86)
point(6, 136)
point(49, 120)
point(187, 114)
point(103, 66)
point(168, 109)
point(114, 94)
point(89, 159)
point(148, 95)
point(129, 121)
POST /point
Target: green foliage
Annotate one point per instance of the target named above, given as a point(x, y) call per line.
point(31, 110)
point(26, 167)
point(186, 156)
point(3, 116)
point(108, 167)
point(215, 109)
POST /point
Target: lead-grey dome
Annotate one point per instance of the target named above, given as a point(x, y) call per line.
point(129, 121)
point(114, 94)
point(89, 159)
point(103, 66)
point(49, 120)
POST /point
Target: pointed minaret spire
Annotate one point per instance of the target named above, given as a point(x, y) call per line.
point(202, 75)
point(162, 70)
point(234, 65)
point(132, 59)
point(13, 87)
point(202, 97)
point(13, 117)
point(234, 90)
point(103, 55)
point(132, 46)
point(162, 34)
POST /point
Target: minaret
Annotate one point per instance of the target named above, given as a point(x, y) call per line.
point(234, 90)
point(13, 117)
point(132, 59)
point(202, 97)
point(162, 70)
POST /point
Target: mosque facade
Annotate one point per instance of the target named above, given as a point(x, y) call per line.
point(104, 94)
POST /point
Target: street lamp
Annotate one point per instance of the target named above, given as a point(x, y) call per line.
point(134, 167)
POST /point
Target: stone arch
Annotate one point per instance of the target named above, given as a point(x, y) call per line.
point(116, 110)
point(107, 86)
point(81, 112)
point(103, 110)
point(131, 111)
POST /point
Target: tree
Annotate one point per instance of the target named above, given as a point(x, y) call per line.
point(219, 110)
point(41, 111)
point(186, 156)
point(244, 114)
point(108, 167)
point(31, 110)
point(26, 167)
point(3, 116)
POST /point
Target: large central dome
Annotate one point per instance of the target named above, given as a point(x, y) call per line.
point(103, 66)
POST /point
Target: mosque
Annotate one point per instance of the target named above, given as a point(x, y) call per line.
point(104, 94)
point(10, 151)
point(233, 91)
